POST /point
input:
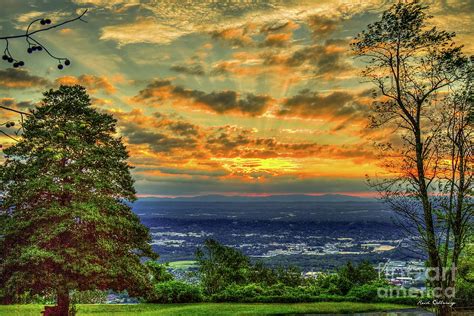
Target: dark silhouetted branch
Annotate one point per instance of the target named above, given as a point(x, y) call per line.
point(35, 44)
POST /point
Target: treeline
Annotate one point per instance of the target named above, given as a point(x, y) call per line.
point(226, 275)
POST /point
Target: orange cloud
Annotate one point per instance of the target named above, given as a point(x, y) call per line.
point(91, 82)
point(278, 40)
point(238, 36)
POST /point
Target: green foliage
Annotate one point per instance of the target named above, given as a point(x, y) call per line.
point(158, 271)
point(262, 274)
point(175, 292)
point(89, 297)
point(367, 292)
point(275, 293)
point(280, 293)
point(465, 278)
point(228, 276)
point(65, 221)
point(220, 266)
point(350, 276)
point(346, 278)
point(290, 276)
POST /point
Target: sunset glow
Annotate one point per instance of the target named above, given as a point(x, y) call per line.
point(250, 99)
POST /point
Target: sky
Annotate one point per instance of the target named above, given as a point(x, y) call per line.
point(220, 97)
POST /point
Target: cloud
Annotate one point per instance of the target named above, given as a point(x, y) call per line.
point(184, 128)
point(194, 172)
point(217, 101)
point(283, 184)
point(162, 133)
point(158, 142)
point(12, 103)
point(28, 17)
point(107, 3)
point(322, 26)
point(277, 40)
point(194, 69)
point(91, 82)
point(236, 36)
point(227, 101)
point(24, 19)
point(279, 26)
point(144, 30)
point(313, 104)
point(165, 21)
point(20, 79)
point(223, 140)
point(328, 59)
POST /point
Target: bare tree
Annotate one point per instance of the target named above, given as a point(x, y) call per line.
point(456, 175)
point(421, 76)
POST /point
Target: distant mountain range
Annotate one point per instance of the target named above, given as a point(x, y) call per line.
point(270, 198)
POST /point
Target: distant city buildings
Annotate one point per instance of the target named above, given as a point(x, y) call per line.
point(404, 273)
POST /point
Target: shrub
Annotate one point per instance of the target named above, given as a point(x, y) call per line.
point(277, 293)
point(365, 292)
point(464, 293)
point(238, 293)
point(176, 292)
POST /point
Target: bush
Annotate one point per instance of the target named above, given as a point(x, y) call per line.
point(238, 293)
point(277, 293)
point(176, 292)
point(365, 292)
point(464, 293)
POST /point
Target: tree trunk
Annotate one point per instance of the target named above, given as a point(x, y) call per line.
point(433, 254)
point(63, 302)
point(443, 310)
point(62, 305)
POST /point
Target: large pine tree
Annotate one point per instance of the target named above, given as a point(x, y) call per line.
point(65, 219)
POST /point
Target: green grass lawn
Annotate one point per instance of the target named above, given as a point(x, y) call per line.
point(205, 309)
point(182, 264)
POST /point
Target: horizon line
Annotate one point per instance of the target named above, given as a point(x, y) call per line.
point(366, 194)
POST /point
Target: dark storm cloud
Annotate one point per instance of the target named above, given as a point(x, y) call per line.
point(327, 58)
point(11, 103)
point(184, 128)
point(195, 69)
point(158, 142)
point(308, 103)
point(20, 79)
point(218, 101)
point(225, 101)
point(222, 140)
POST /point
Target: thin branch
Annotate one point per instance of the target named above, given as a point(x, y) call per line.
point(79, 17)
point(34, 44)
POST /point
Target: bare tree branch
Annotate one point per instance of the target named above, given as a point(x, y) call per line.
point(34, 44)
